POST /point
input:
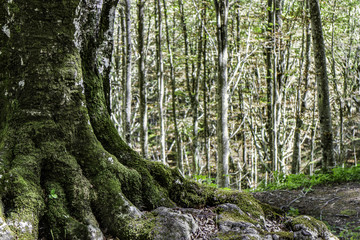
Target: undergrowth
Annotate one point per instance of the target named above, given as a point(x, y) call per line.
point(295, 181)
point(203, 179)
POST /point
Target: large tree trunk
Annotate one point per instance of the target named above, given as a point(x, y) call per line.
point(62, 160)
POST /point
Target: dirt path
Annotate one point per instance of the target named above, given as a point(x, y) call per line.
point(337, 204)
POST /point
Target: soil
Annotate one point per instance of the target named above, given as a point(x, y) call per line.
point(338, 205)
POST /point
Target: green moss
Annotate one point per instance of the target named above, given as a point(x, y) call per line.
point(309, 222)
point(187, 193)
point(161, 173)
point(58, 221)
point(236, 217)
point(271, 212)
point(143, 229)
point(245, 201)
point(153, 191)
point(349, 212)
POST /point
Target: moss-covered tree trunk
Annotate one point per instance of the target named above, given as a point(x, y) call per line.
point(63, 166)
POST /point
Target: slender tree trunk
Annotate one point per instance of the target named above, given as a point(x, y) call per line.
point(312, 139)
point(160, 78)
point(328, 160)
point(269, 86)
point(241, 105)
point(142, 81)
point(193, 89)
point(117, 80)
point(179, 155)
point(123, 69)
point(206, 98)
point(222, 9)
point(278, 75)
point(195, 102)
point(128, 95)
point(344, 102)
point(301, 99)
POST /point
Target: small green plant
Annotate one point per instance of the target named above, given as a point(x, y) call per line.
point(203, 179)
point(349, 234)
point(293, 212)
point(52, 194)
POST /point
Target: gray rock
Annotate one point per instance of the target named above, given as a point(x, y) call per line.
point(226, 226)
point(269, 237)
point(229, 207)
point(308, 228)
point(172, 224)
point(232, 225)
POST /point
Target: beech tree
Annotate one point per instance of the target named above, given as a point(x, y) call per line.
point(142, 81)
point(128, 95)
point(160, 78)
point(222, 10)
point(328, 160)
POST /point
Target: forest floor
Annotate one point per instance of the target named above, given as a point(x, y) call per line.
point(338, 205)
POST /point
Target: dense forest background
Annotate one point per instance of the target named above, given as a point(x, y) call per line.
point(164, 87)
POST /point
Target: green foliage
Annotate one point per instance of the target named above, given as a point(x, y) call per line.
point(295, 181)
point(52, 194)
point(349, 233)
point(203, 179)
point(293, 212)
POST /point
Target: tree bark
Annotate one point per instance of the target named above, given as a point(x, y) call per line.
point(328, 160)
point(206, 99)
point(160, 78)
point(195, 102)
point(123, 69)
point(142, 81)
point(128, 95)
point(269, 86)
point(222, 9)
